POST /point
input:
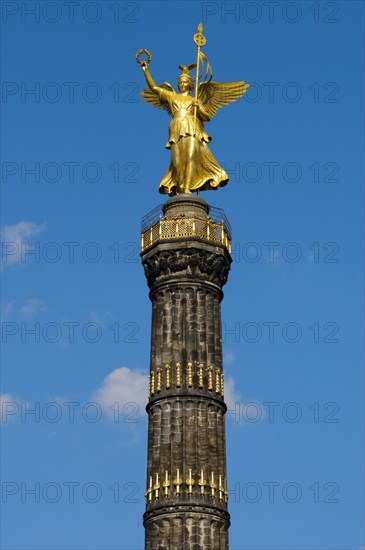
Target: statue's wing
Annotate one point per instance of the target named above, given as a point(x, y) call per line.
point(213, 95)
point(153, 97)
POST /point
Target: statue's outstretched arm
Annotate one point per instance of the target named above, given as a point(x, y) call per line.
point(151, 83)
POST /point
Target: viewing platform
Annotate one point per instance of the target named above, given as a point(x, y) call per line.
point(184, 217)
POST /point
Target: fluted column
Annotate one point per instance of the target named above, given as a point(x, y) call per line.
point(186, 266)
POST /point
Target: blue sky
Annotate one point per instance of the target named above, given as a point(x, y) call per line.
point(82, 159)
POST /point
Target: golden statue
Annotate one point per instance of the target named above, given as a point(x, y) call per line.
point(193, 166)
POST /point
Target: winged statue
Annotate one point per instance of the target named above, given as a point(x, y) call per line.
point(193, 166)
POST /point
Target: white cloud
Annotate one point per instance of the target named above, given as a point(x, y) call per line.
point(6, 310)
point(231, 395)
point(15, 238)
point(29, 309)
point(32, 307)
point(9, 407)
point(229, 358)
point(241, 411)
point(123, 386)
point(100, 319)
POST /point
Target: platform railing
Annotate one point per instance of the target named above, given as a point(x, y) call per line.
point(178, 228)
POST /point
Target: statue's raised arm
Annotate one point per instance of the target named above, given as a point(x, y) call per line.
point(154, 94)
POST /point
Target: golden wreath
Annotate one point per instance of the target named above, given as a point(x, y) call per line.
point(149, 57)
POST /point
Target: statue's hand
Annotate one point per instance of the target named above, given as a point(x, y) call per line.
point(144, 65)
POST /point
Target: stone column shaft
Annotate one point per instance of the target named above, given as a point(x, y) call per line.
point(186, 266)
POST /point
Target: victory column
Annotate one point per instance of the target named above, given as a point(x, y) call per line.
point(186, 258)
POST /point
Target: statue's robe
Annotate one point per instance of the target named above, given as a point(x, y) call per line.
point(192, 165)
